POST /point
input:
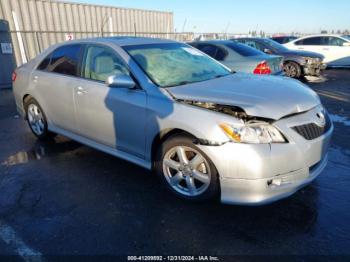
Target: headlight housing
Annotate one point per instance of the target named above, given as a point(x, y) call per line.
point(253, 133)
point(311, 60)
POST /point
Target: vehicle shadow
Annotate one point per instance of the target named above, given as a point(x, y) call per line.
point(136, 112)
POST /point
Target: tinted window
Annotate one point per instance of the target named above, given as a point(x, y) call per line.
point(252, 44)
point(243, 50)
point(284, 39)
point(65, 60)
point(273, 45)
point(102, 62)
point(220, 54)
point(309, 41)
point(213, 51)
point(333, 41)
point(208, 49)
point(45, 63)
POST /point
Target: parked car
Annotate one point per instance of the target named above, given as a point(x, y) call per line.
point(296, 63)
point(205, 130)
point(283, 39)
point(335, 48)
point(241, 58)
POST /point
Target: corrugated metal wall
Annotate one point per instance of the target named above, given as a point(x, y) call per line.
point(41, 23)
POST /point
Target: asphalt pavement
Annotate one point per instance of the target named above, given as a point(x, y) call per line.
point(62, 198)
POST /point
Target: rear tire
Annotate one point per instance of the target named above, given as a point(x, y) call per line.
point(292, 69)
point(185, 170)
point(36, 120)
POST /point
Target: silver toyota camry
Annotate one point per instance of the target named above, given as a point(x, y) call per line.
point(166, 106)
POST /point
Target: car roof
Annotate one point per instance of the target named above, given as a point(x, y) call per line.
point(217, 41)
point(283, 36)
point(318, 35)
point(250, 38)
point(122, 40)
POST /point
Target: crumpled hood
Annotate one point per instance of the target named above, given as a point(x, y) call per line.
point(261, 96)
point(303, 53)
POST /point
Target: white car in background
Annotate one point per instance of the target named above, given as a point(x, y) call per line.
point(335, 48)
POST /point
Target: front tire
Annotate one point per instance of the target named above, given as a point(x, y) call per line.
point(185, 170)
point(36, 119)
point(292, 69)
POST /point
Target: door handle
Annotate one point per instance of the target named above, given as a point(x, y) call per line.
point(80, 90)
point(300, 48)
point(325, 48)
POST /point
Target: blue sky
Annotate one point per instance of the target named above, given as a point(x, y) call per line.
point(272, 16)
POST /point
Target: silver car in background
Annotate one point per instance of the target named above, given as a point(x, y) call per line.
point(166, 106)
point(241, 58)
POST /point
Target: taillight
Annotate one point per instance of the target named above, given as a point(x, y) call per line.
point(14, 76)
point(262, 68)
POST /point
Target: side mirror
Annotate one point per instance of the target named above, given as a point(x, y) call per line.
point(120, 81)
point(346, 44)
point(267, 51)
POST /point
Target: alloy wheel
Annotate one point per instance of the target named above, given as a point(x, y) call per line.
point(186, 170)
point(36, 119)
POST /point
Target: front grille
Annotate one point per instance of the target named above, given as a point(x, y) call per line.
point(312, 131)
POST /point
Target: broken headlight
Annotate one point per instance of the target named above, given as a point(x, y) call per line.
point(311, 60)
point(253, 133)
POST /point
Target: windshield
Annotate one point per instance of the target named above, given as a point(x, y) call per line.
point(173, 64)
point(346, 36)
point(274, 45)
point(243, 50)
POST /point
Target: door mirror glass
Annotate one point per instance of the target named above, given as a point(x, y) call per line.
point(121, 81)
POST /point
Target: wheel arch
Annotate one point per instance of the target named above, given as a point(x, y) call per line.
point(25, 98)
point(163, 135)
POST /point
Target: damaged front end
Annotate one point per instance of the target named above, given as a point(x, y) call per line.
point(313, 66)
point(250, 129)
point(234, 111)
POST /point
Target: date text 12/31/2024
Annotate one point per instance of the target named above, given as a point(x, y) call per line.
point(173, 258)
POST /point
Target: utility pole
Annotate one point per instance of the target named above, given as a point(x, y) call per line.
point(183, 27)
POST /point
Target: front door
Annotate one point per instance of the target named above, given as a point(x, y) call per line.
point(114, 116)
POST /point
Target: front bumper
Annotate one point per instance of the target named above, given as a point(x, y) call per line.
point(314, 69)
point(267, 190)
point(253, 174)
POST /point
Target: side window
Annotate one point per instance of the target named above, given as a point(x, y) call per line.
point(309, 41)
point(208, 49)
point(45, 63)
point(102, 62)
point(65, 60)
point(252, 44)
point(220, 54)
point(333, 41)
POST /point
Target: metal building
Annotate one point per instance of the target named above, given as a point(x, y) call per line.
point(37, 24)
point(7, 63)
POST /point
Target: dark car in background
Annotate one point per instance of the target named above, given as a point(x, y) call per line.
point(296, 63)
point(241, 58)
point(284, 39)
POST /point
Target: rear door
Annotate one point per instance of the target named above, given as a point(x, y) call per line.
point(335, 52)
point(114, 117)
point(54, 82)
point(313, 44)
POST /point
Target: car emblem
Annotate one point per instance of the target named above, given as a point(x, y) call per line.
point(321, 120)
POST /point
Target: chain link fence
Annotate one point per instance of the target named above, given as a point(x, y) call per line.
point(28, 44)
